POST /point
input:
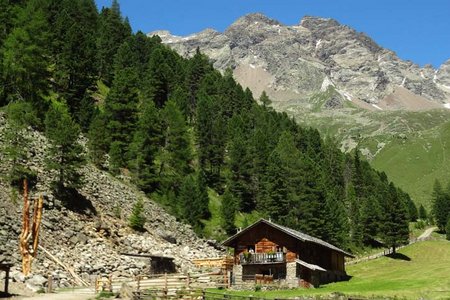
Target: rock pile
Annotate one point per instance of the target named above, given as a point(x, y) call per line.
point(89, 237)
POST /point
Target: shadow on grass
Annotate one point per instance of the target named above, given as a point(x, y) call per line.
point(74, 201)
point(399, 256)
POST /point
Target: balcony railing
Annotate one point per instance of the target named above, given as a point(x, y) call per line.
point(261, 258)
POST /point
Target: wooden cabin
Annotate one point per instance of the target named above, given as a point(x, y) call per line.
point(268, 252)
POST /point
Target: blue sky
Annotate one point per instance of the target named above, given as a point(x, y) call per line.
point(417, 30)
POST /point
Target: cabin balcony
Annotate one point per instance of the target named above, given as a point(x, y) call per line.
point(248, 258)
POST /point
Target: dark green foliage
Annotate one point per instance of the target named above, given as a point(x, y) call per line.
point(228, 211)
point(176, 152)
point(193, 201)
point(98, 142)
point(25, 57)
point(146, 142)
point(113, 29)
point(370, 219)
point(121, 113)
point(265, 100)
point(395, 220)
point(137, 219)
point(441, 205)
point(179, 127)
point(423, 215)
point(65, 155)
point(74, 30)
point(20, 115)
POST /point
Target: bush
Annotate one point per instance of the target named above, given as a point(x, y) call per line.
point(137, 219)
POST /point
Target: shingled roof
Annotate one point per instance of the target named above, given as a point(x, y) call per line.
point(294, 233)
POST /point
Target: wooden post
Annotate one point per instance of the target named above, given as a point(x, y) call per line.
point(50, 284)
point(188, 281)
point(203, 294)
point(138, 285)
point(165, 281)
point(228, 279)
point(7, 280)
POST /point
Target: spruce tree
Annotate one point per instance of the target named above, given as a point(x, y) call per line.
point(25, 58)
point(147, 140)
point(98, 143)
point(137, 219)
point(121, 113)
point(113, 29)
point(423, 215)
point(16, 142)
point(395, 221)
point(228, 210)
point(176, 153)
point(441, 205)
point(265, 100)
point(65, 154)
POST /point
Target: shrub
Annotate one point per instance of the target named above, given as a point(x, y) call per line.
point(137, 219)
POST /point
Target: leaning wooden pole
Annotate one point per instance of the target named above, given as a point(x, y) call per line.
point(25, 234)
point(37, 217)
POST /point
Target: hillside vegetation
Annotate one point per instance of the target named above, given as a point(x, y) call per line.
point(411, 147)
point(187, 135)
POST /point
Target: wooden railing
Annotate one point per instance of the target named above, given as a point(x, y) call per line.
point(248, 258)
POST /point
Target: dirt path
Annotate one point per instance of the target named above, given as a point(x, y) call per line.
point(426, 233)
point(60, 296)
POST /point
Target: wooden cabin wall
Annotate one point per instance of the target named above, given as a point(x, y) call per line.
point(266, 238)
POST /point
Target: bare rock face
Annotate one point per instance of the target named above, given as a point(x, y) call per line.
point(293, 62)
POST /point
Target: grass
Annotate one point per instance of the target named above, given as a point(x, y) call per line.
point(423, 273)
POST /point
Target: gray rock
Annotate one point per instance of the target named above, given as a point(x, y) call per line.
point(297, 59)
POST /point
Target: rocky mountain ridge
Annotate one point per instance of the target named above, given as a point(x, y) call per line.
point(293, 63)
point(90, 236)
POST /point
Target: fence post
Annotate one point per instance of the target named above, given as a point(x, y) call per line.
point(50, 284)
point(228, 279)
point(203, 294)
point(138, 284)
point(188, 280)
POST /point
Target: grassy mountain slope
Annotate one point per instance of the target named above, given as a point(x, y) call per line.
point(412, 147)
point(415, 163)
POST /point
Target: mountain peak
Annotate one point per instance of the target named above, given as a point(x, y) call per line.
point(311, 21)
point(254, 18)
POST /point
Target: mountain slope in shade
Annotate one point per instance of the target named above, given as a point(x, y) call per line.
point(292, 63)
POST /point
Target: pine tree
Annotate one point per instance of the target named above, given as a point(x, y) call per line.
point(25, 57)
point(176, 154)
point(240, 165)
point(228, 210)
point(423, 215)
point(121, 113)
point(65, 156)
point(265, 100)
point(395, 221)
point(137, 219)
point(113, 29)
point(98, 143)
point(74, 30)
point(370, 220)
point(146, 142)
point(441, 205)
point(19, 116)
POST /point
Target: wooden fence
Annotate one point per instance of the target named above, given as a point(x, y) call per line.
point(209, 295)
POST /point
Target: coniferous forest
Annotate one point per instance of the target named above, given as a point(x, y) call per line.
point(178, 128)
